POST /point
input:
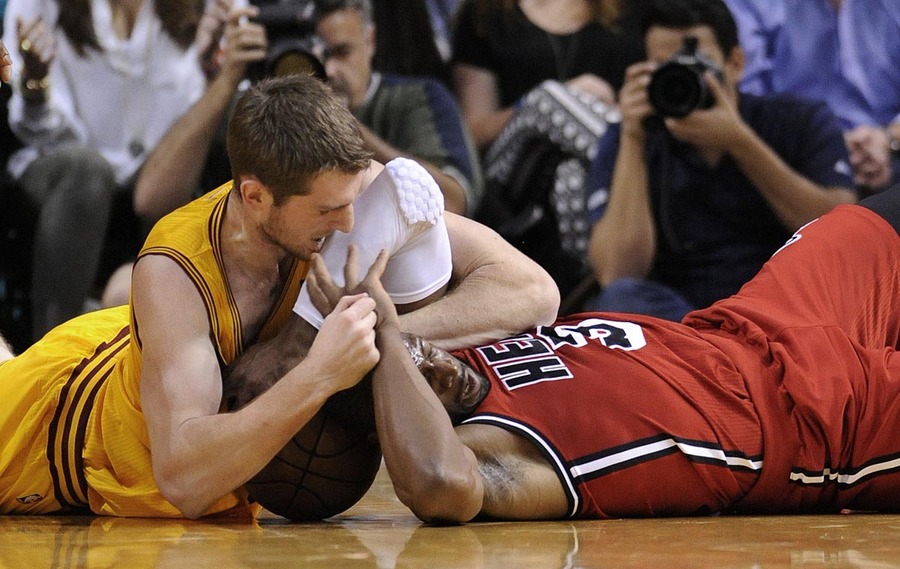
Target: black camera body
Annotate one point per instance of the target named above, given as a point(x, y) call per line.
point(290, 31)
point(677, 87)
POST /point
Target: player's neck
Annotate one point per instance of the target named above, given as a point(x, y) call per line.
point(248, 254)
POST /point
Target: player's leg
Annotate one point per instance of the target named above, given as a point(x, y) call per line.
point(869, 477)
point(841, 270)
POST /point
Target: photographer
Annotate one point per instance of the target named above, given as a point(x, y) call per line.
point(685, 209)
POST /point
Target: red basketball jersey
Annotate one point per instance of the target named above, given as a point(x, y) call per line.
point(639, 417)
point(782, 398)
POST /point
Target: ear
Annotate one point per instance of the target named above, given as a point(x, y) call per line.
point(254, 194)
point(734, 65)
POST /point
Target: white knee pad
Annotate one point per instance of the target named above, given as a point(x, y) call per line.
point(401, 211)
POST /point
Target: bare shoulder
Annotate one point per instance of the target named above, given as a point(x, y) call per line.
point(519, 483)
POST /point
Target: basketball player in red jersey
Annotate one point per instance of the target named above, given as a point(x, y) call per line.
point(784, 398)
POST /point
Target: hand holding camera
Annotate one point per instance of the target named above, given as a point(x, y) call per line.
point(689, 96)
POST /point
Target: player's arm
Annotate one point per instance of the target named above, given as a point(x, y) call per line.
point(198, 454)
point(496, 291)
point(442, 474)
point(434, 474)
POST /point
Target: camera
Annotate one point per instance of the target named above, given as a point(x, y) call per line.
point(677, 87)
point(290, 31)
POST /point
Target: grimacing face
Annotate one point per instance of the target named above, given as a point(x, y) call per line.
point(302, 222)
point(459, 387)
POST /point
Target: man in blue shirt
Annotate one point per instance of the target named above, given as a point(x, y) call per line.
point(843, 52)
point(686, 210)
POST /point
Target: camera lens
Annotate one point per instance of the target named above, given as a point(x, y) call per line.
point(676, 90)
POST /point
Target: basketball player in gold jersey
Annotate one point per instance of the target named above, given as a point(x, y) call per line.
point(117, 412)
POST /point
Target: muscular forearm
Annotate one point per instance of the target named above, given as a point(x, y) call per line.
point(498, 292)
point(623, 241)
point(433, 473)
point(173, 169)
point(214, 454)
point(795, 199)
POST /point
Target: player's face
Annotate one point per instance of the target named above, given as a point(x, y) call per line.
point(458, 386)
point(348, 45)
point(300, 224)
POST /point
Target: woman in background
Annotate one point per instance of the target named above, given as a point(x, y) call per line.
point(96, 83)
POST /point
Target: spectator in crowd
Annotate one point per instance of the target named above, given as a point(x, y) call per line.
point(843, 52)
point(536, 81)
point(96, 85)
point(413, 117)
point(503, 48)
point(687, 209)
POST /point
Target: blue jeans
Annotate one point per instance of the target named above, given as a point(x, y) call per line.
point(640, 296)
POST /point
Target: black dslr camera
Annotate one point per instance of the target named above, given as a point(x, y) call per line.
point(290, 31)
point(677, 87)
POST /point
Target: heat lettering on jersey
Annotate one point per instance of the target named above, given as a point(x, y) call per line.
point(524, 360)
point(527, 359)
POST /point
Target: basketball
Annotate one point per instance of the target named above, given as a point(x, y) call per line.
point(323, 470)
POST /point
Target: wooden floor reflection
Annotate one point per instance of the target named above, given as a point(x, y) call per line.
point(379, 533)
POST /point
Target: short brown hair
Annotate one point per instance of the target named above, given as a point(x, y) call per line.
point(285, 130)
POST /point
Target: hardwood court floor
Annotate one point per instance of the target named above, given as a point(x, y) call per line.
point(380, 533)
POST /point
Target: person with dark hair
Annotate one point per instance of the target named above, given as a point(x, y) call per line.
point(688, 201)
point(116, 412)
point(782, 399)
point(96, 85)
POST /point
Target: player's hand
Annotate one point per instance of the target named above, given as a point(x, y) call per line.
point(324, 293)
point(371, 285)
point(344, 350)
